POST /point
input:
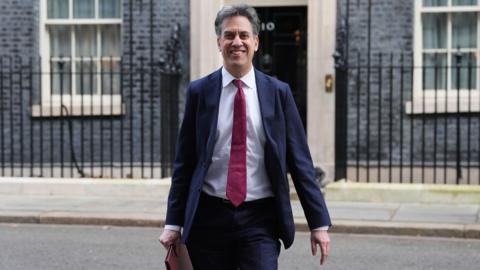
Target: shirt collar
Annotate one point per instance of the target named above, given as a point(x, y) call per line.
point(248, 79)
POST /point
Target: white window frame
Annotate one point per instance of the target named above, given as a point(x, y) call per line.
point(77, 105)
point(426, 101)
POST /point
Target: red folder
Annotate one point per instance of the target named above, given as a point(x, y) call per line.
point(174, 261)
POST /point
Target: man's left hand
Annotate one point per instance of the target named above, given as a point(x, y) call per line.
point(321, 238)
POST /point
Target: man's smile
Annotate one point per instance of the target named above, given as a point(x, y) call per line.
point(237, 52)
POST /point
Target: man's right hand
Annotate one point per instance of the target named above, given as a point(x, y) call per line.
point(169, 237)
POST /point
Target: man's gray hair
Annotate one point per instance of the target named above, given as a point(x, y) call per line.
point(237, 10)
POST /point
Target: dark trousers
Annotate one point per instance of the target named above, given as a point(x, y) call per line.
point(227, 238)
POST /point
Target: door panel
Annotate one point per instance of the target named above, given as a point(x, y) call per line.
point(283, 49)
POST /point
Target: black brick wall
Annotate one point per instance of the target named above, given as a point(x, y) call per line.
point(392, 34)
point(19, 39)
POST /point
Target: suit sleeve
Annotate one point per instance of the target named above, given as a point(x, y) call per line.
point(184, 164)
point(301, 167)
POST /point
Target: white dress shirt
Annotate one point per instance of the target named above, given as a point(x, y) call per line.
point(258, 184)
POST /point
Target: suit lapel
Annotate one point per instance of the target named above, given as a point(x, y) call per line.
point(211, 94)
point(266, 98)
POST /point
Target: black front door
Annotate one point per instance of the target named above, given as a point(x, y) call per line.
point(283, 49)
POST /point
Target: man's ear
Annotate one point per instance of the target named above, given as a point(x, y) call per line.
point(218, 44)
point(256, 42)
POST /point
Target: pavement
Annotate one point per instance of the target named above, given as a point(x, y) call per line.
point(143, 203)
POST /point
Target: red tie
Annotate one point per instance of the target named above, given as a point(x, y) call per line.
point(237, 166)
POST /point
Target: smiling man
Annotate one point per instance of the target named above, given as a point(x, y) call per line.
point(241, 131)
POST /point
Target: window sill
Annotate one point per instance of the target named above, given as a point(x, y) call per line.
point(442, 106)
point(48, 110)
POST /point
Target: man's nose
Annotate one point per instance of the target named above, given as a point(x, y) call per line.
point(237, 41)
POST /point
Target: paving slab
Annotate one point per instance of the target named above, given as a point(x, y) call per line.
point(46, 203)
point(80, 204)
point(402, 193)
point(400, 228)
point(113, 219)
point(123, 188)
point(362, 210)
point(450, 214)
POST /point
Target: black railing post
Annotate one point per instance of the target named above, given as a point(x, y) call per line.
point(152, 123)
point(412, 108)
point(402, 66)
point(62, 89)
point(142, 114)
point(369, 50)
point(80, 76)
point(69, 112)
point(445, 128)
point(469, 117)
point(30, 104)
point(390, 122)
point(2, 120)
point(40, 80)
point(358, 88)
point(111, 113)
point(91, 85)
point(21, 86)
point(341, 103)
point(423, 116)
point(341, 113)
point(458, 57)
point(163, 127)
point(12, 130)
point(130, 70)
point(435, 82)
point(122, 118)
point(379, 129)
point(101, 93)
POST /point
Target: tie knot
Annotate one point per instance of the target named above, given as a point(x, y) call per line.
point(238, 83)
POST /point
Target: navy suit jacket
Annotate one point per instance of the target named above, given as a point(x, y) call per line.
point(286, 144)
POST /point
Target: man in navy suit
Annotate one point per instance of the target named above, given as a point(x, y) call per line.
point(241, 131)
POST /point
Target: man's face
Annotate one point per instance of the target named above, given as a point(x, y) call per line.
point(237, 44)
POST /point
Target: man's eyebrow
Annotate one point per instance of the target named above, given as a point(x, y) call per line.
point(233, 32)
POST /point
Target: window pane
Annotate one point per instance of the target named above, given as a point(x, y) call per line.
point(57, 9)
point(110, 9)
point(434, 70)
point(434, 3)
point(59, 40)
point(84, 8)
point(463, 70)
point(111, 40)
point(61, 72)
point(464, 30)
point(86, 78)
point(85, 40)
point(110, 77)
point(434, 30)
point(464, 2)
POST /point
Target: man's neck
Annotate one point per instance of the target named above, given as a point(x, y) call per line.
point(238, 73)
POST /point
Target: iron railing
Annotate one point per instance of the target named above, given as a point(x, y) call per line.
point(401, 125)
point(401, 117)
point(127, 128)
